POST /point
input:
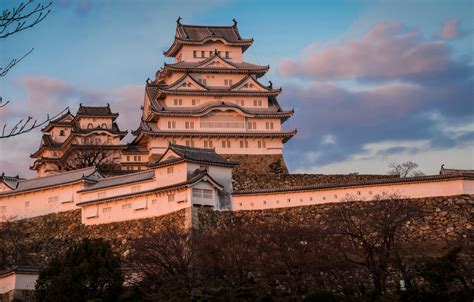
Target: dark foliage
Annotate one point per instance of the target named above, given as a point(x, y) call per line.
point(88, 271)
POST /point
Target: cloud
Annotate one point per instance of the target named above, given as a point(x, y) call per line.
point(386, 96)
point(428, 158)
point(387, 52)
point(450, 30)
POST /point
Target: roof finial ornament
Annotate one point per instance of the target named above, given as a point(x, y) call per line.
point(235, 22)
point(108, 105)
point(148, 80)
point(271, 84)
point(179, 20)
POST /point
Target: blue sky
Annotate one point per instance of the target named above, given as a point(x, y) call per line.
point(371, 81)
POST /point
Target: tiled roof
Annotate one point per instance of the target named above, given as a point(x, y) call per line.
point(55, 180)
point(444, 171)
point(191, 154)
point(121, 180)
point(199, 34)
point(344, 183)
point(20, 270)
point(151, 129)
point(95, 111)
point(135, 149)
point(10, 181)
point(272, 111)
point(240, 67)
point(199, 154)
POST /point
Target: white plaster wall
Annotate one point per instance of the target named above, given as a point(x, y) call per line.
point(248, 101)
point(7, 283)
point(157, 204)
point(158, 145)
point(292, 199)
point(17, 281)
point(95, 121)
point(241, 124)
point(35, 203)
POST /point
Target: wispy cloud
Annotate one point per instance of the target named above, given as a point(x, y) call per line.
point(450, 30)
point(387, 52)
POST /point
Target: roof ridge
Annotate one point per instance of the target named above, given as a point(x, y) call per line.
point(58, 174)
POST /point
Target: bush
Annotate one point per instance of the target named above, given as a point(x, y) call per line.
point(88, 271)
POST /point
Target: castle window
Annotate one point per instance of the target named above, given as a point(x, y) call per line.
point(244, 144)
point(107, 211)
point(228, 82)
point(135, 188)
point(170, 197)
point(170, 170)
point(61, 133)
point(128, 157)
point(202, 193)
point(126, 206)
point(261, 144)
point(269, 125)
point(252, 125)
point(171, 124)
point(202, 53)
point(225, 144)
point(189, 143)
point(89, 126)
point(195, 102)
point(227, 54)
point(257, 103)
point(189, 125)
point(137, 158)
point(210, 53)
point(208, 144)
point(177, 102)
point(195, 54)
point(240, 102)
point(104, 126)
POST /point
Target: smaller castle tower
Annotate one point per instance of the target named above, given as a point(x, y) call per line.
point(69, 142)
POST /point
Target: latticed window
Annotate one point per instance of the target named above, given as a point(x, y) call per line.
point(202, 193)
point(222, 120)
point(170, 197)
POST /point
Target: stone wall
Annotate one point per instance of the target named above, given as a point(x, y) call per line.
point(252, 165)
point(40, 238)
point(443, 218)
point(45, 236)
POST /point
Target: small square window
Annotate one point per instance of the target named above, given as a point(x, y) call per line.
point(170, 197)
point(170, 170)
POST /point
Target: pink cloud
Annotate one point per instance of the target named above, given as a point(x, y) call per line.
point(385, 52)
point(450, 30)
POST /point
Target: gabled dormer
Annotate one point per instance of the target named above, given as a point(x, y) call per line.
point(187, 82)
point(215, 61)
point(249, 83)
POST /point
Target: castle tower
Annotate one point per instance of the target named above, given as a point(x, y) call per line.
point(69, 142)
point(211, 98)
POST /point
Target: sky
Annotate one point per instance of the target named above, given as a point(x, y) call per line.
point(371, 82)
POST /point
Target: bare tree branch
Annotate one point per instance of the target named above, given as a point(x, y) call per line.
point(26, 125)
point(20, 18)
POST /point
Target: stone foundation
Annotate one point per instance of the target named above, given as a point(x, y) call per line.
point(253, 165)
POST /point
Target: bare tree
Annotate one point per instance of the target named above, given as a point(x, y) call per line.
point(92, 154)
point(12, 21)
point(164, 262)
point(406, 169)
point(370, 236)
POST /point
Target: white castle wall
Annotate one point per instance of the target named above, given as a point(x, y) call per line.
point(367, 192)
